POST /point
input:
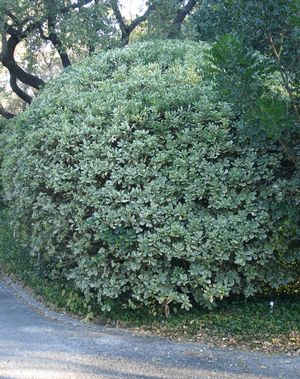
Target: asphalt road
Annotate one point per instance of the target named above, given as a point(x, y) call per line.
point(37, 343)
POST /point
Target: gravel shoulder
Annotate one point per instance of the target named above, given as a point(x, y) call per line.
point(37, 343)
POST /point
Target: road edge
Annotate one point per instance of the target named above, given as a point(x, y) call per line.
point(26, 298)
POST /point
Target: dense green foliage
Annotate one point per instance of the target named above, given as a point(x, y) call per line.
point(265, 87)
point(130, 179)
point(255, 65)
point(34, 274)
point(3, 125)
point(247, 323)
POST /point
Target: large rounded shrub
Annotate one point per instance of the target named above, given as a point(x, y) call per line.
point(3, 125)
point(133, 182)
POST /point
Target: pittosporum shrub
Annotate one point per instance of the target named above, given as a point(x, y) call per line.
point(3, 125)
point(139, 187)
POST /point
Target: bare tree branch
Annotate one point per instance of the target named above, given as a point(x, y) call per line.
point(181, 15)
point(5, 113)
point(185, 11)
point(126, 30)
point(17, 90)
point(121, 22)
point(13, 18)
point(53, 37)
point(4, 44)
point(20, 30)
point(141, 18)
point(9, 62)
point(78, 4)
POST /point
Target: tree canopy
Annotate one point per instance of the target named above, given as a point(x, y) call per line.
point(71, 30)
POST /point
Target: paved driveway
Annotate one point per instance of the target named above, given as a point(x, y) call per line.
point(37, 343)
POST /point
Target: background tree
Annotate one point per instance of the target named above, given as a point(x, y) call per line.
point(51, 26)
point(270, 27)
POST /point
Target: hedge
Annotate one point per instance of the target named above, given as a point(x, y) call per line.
point(139, 187)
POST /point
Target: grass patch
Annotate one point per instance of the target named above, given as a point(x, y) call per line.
point(245, 324)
